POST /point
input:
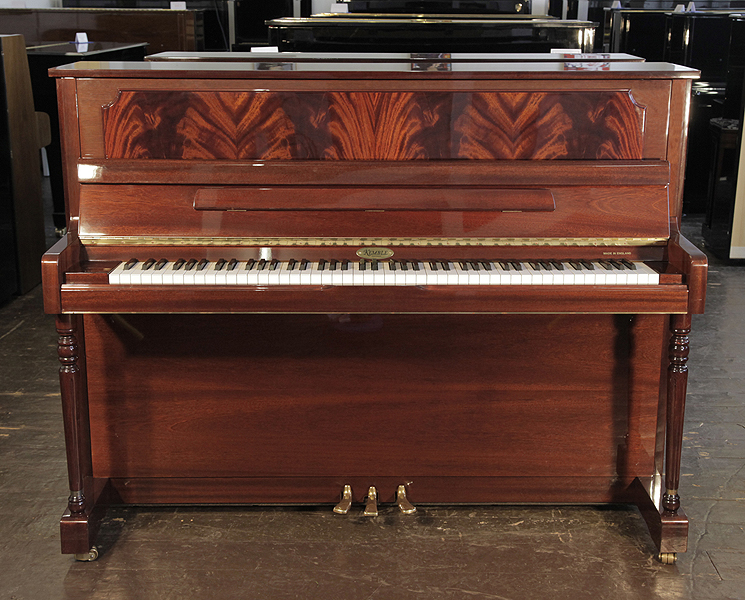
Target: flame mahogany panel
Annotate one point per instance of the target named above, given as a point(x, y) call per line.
point(361, 125)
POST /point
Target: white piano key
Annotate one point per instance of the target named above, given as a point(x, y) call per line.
point(116, 273)
point(378, 274)
point(389, 275)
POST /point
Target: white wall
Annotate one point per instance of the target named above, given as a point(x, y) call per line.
point(30, 3)
point(320, 6)
point(539, 7)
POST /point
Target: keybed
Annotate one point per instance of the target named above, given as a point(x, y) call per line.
point(303, 272)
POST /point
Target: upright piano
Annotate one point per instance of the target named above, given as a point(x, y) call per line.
point(342, 283)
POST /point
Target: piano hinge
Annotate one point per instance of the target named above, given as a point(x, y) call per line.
point(393, 241)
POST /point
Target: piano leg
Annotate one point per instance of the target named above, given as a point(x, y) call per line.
point(667, 522)
point(677, 380)
point(79, 524)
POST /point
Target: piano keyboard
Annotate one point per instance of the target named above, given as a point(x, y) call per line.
point(382, 273)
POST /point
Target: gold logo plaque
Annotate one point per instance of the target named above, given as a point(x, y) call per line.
point(375, 253)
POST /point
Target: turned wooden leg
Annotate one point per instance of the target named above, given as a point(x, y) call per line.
point(677, 380)
point(79, 524)
point(73, 413)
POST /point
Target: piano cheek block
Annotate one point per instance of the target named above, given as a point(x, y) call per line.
point(483, 198)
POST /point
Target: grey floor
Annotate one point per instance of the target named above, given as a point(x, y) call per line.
point(468, 552)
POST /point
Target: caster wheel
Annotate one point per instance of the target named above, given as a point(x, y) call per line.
point(667, 558)
point(89, 556)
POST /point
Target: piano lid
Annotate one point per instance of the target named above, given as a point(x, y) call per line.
point(471, 57)
point(370, 70)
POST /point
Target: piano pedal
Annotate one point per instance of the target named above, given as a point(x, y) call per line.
point(404, 505)
point(346, 501)
point(371, 506)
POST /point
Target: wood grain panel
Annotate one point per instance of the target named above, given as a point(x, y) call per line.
point(595, 212)
point(224, 125)
point(445, 395)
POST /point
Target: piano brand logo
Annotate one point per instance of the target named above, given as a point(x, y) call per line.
point(375, 253)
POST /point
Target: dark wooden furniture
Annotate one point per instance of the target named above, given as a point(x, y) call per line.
point(298, 393)
point(215, 15)
point(23, 131)
point(482, 33)
point(161, 29)
point(42, 56)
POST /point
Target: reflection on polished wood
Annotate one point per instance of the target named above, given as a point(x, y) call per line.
point(295, 394)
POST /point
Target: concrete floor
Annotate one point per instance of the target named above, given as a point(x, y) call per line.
point(467, 552)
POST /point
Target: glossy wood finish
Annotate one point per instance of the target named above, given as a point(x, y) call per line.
point(41, 57)
point(366, 395)
point(373, 126)
point(463, 393)
point(400, 57)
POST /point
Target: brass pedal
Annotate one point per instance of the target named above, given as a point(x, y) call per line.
point(371, 506)
point(404, 505)
point(346, 501)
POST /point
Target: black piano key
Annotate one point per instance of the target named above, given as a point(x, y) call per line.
point(261, 265)
point(433, 265)
point(191, 263)
point(345, 265)
point(220, 264)
point(274, 265)
point(374, 265)
point(161, 264)
point(304, 264)
point(202, 265)
point(517, 265)
point(616, 265)
point(576, 265)
point(363, 264)
point(332, 265)
point(588, 265)
point(606, 265)
point(148, 263)
point(392, 265)
point(250, 264)
point(178, 264)
point(130, 264)
point(628, 264)
point(557, 264)
point(321, 265)
point(404, 265)
point(291, 264)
